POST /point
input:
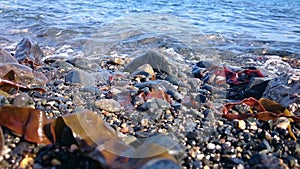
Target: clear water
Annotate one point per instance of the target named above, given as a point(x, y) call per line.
point(125, 26)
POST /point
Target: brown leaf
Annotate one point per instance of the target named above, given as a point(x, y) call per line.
point(26, 122)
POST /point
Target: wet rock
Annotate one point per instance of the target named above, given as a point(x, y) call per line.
point(256, 87)
point(3, 100)
point(158, 163)
point(156, 60)
point(6, 57)
point(154, 108)
point(285, 90)
point(80, 76)
point(102, 76)
point(85, 64)
point(28, 50)
point(62, 65)
point(264, 161)
point(156, 84)
point(145, 70)
point(109, 105)
point(23, 100)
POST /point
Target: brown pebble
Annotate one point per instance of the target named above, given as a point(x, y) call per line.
point(26, 162)
point(55, 162)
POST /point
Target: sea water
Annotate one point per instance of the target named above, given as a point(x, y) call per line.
point(104, 27)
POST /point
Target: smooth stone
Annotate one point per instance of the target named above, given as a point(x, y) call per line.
point(109, 105)
point(85, 64)
point(157, 60)
point(211, 146)
point(81, 77)
point(62, 65)
point(145, 69)
point(28, 49)
point(159, 163)
point(23, 100)
point(6, 57)
point(256, 87)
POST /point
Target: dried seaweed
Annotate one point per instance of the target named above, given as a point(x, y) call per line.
point(262, 109)
point(86, 129)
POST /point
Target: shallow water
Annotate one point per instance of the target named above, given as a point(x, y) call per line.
point(209, 28)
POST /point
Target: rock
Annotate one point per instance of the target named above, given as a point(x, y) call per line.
point(211, 146)
point(256, 87)
point(85, 64)
point(29, 50)
point(23, 100)
point(241, 124)
point(264, 161)
point(157, 60)
point(62, 65)
point(26, 162)
point(80, 76)
point(154, 108)
point(282, 122)
point(6, 57)
point(146, 70)
point(109, 105)
point(285, 90)
point(158, 163)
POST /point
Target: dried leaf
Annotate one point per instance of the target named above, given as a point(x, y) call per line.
point(26, 122)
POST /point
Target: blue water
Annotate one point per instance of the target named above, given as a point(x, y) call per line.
point(125, 26)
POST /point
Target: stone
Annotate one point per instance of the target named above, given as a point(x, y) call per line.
point(81, 77)
point(62, 65)
point(157, 60)
point(109, 105)
point(6, 57)
point(83, 63)
point(23, 100)
point(256, 87)
point(284, 89)
point(158, 163)
point(241, 124)
point(29, 50)
point(144, 69)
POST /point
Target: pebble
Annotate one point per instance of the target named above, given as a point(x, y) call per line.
point(26, 162)
point(109, 105)
point(81, 77)
point(55, 162)
point(211, 146)
point(241, 124)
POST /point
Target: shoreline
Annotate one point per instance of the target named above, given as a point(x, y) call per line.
point(165, 96)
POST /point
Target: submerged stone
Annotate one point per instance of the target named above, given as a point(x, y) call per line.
point(156, 60)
